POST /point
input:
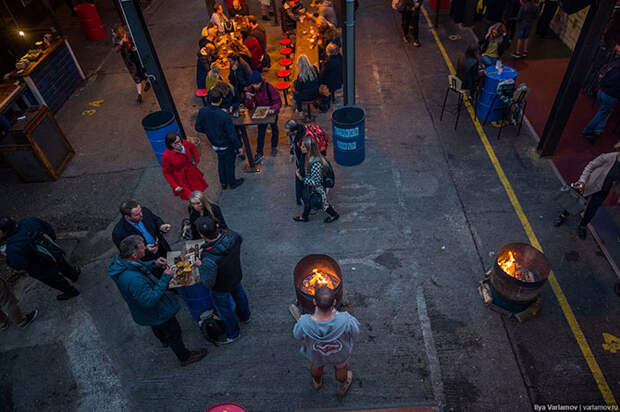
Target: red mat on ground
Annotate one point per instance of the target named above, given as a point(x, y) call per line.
point(573, 153)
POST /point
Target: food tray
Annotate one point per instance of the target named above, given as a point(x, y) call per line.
point(261, 112)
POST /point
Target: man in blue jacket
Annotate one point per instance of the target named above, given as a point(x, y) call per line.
point(216, 123)
point(147, 297)
point(220, 272)
point(21, 254)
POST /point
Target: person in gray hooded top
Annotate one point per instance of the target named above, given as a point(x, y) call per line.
point(327, 337)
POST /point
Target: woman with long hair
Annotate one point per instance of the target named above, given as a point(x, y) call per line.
point(124, 45)
point(316, 168)
point(306, 86)
point(178, 164)
point(200, 205)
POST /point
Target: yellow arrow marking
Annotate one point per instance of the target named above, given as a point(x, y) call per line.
point(95, 103)
point(88, 112)
point(612, 344)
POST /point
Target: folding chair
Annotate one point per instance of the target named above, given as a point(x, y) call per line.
point(455, 86)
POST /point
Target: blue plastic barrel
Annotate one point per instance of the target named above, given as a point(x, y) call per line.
point(489, 90)
point(349, 135)
point(157, 125)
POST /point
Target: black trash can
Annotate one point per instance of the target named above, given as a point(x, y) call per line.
point(157, 125)
point(349, 135)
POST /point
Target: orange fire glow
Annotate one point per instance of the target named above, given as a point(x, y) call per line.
point(510, 266)
point(318, 279)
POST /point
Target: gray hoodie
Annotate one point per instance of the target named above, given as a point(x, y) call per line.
point(327, 343)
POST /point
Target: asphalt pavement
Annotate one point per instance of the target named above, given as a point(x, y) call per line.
point(421, 220)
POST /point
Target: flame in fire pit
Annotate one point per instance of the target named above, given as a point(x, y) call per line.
point(510, 266)
point(318, 279)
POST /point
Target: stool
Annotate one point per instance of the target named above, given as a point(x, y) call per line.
point(286, 63)
point(283, 87)
point(308, 104)
point(286, 52)
point(284, 74)
point(286, 42)
point(202, 93)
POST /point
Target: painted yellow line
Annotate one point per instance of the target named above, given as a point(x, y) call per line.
point(555, 286)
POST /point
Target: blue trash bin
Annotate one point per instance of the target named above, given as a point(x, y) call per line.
point(349, 135)
point(157, 125)
point(488, 92)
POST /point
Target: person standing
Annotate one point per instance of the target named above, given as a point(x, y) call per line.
point(199, 206)
point(595, 182)
point(327, 337)
point(148, 298)
point(217, 125)
point(265, 9)
point(218, 17)
point(124, 45)
point(608, 95)
point(138, 220)
point(220, 271)
point(23, 252)
point(261, 93)
point(178, 164)
point(10, 311)
point(411, 19)
point(316, 167)
point(528, 12)
point(296, 132)
point(238, 8)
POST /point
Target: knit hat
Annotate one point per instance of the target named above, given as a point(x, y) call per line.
point(256, 78)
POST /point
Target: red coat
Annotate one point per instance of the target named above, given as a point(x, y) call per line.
point(179, 170)
point(256, 50)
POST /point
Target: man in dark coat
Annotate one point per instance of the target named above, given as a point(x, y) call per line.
point(21, 254)
point(216, 123)
point(148, 298)
point(258, 31)
point(220, 272)
point(138, 220)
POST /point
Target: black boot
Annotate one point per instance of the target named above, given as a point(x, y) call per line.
point(333, 215)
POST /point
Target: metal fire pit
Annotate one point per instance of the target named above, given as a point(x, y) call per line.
point(512, 296)
point(304, 268)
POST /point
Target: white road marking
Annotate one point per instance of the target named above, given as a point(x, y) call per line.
point(429, 345)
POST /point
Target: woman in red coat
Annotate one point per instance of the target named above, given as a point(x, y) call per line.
point(179, 169)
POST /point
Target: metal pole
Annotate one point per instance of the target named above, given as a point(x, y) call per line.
point(349, 53)
point(581, 59)
point(148, 57)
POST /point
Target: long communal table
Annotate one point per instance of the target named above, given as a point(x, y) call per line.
point(304, 46)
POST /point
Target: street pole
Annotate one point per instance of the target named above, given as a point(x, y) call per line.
point(578, 66)
point(349, 52)
point(148, 57)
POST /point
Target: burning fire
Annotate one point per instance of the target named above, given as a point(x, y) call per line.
point(510, 266)
point(318, 279)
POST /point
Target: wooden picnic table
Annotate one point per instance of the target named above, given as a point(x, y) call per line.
point(245, 119)
point(303, 45)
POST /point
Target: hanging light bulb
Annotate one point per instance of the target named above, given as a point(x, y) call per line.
point(21, 33)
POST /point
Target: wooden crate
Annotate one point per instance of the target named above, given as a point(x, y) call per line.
point(36, 148)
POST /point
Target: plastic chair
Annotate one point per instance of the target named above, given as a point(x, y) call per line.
point(455, 85)
point(202, 93)
point(283, 87)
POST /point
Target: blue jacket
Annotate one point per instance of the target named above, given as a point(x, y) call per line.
point(18, 246)
point(218, 126)
point(149, 302)
point(221, 262)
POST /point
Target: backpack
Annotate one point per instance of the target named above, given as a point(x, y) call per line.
point(329, 179)
point(44, 248)
point(211, 326)
point(319, 134)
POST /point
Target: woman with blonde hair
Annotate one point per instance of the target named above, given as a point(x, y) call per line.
point(306, 86)
point(124, 45)
point(316, 167)
point(200, 205)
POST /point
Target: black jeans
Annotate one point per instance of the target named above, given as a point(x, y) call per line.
point(260, 141)
point(226, 166)
point(596, 200)
point(411, 18)
point(56, 281)
point(170, 332)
